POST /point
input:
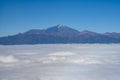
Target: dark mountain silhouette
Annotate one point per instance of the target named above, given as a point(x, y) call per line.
point(59, 34)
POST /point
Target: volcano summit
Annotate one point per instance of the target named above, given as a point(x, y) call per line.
point(59, 34)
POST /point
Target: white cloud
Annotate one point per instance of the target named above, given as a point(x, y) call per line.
point(27, 61)
point(62, 54)
point(51, 59)
point(8, 59)
point(58, 62)
point(85, 61)
point(27, 53)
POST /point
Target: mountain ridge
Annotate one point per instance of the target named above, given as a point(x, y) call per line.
point(59, 34)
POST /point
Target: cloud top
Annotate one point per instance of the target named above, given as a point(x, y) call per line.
point(8, 59)
point(63, 53)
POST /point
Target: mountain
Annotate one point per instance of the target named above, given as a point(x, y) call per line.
point(59, 34)
point(113, 34)
point(55, 30)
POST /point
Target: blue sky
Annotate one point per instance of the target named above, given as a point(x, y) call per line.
point(95, 15)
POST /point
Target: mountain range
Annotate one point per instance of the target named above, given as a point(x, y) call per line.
point(59, 34)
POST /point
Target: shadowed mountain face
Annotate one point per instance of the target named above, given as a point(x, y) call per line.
point(55, 30)
point(62, 30)
point(59, 34)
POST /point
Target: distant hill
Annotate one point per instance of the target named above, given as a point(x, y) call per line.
point(59, 34)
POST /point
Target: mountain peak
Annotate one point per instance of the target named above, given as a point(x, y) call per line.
point(112, 34)
point(86, 32)
point(59, 25)
point(61, 30)
point(60, 34)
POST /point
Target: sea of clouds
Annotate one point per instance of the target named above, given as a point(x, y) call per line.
point(60, 62)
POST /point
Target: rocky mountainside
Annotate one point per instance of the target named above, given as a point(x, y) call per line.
point(59, 34)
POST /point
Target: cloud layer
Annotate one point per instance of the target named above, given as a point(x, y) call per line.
point(8, 59)
point(60, 62)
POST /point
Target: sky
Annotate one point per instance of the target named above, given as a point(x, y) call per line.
point(94, 15)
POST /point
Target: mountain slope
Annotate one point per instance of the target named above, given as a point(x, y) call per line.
point(62, 30)
point(59, 34)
